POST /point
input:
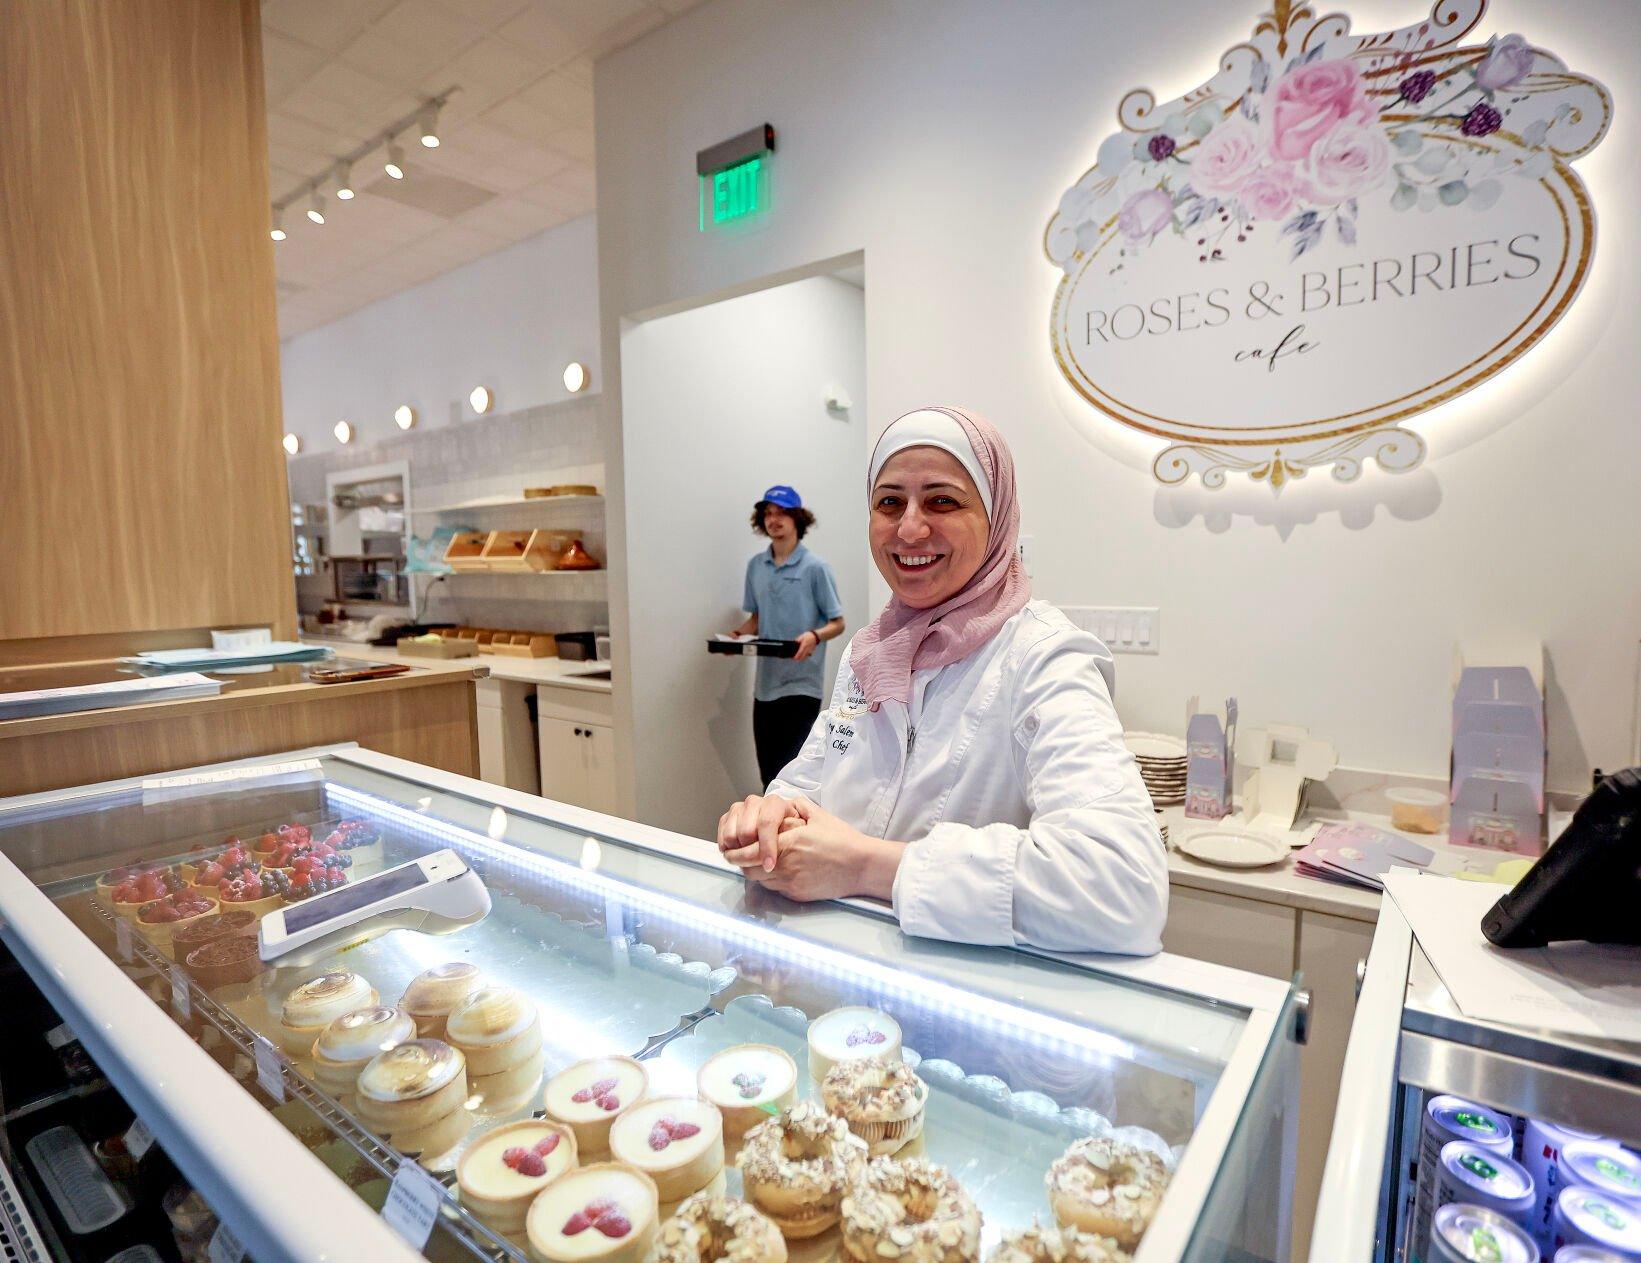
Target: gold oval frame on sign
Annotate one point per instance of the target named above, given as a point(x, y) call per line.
point(1375, 417)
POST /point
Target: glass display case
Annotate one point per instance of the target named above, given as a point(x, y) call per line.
point(1455, 1139)
point(630, 942)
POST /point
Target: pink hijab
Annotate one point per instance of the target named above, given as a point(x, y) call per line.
point(901, 640)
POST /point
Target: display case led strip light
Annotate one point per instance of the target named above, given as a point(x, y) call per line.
point(982, 1010)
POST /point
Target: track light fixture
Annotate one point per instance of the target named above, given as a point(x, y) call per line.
point(277, 232)
point(430, 127)
point(395, 164)
point(316, 208)
point(344, 182)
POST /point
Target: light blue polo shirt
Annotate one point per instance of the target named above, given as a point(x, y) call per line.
point(796, 596)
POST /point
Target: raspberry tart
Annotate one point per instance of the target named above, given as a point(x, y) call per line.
point(127, 899)
point(360, 840)
point(349, 1043)
point(311, 875)
point(116, 877)
point(501, 1172)
point(434, 992)
point(607, 1211)
point(677, 1141)
point(249, 892)
point(748, 1083)
point(592, 1094)
point(848, 1033)
point(161, 919)
point(316, 1004)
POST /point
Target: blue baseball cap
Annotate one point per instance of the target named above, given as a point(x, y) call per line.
point(783, 496)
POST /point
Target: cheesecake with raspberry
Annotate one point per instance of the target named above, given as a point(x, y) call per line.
point(502, 1171)
point(607, 1212)
point(592, 1094)
point(678, 1141)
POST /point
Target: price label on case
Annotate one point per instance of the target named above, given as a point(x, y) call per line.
point(180, 1000)
point(412, 1204)
point(138, 1139)
point(122, 939)
point(224, 1247)
point(270, 1070)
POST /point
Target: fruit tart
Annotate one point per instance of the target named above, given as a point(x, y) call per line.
point(358, 839)
point(115, 877)
point(129, 896)
point(250, 892)
point(161, 919)
point(310, 875)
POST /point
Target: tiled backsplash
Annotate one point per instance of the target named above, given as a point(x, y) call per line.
point(554, 443)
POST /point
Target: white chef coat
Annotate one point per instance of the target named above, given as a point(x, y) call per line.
point(1007, 774)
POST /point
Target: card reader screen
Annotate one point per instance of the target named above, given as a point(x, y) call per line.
point(338, 903)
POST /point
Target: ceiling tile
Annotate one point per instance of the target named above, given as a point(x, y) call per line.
point(325, 24)
point(590, 20)
point(489, 71)
point(427, 27)
point(563, 98)
point(538, 32)
point(573, 142)
point(385, 58)
point(285, 63)
point(485, 15)
point(627, 31)
point(522, 119)
point(510, 218)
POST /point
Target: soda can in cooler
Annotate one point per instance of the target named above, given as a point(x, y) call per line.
point(1446, 1119)
point(1468, 1234)
point(1602, 1165)
point(1541, 1144)
point(1586, 1254)
point(1584, 1216)
point(1484, 1177)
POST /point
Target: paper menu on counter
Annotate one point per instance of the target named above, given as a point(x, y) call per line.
point(132, 692)
point(1358, 854)
point(1587, 989)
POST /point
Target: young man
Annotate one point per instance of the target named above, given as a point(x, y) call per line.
point(792, 596)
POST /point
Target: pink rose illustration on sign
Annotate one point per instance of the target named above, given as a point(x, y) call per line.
point(1308, 102)
point(1507, 63)
point(1270, 193)
point(1225, 159)
point(1146, 214)
point(1347, 162)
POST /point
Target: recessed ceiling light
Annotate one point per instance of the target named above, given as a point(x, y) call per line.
point(343, 432)
point(292, 444)
point(575, 376)
point(404, 416)
point(395, 164)
point(481, 399)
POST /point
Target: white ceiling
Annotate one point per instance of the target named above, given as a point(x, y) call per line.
point(517, 151)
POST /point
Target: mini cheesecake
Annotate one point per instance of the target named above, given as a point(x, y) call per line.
point(316, 1004)
point(748, 1083)
point(592, 1094)
point(608, 1212)
point(434, 992)
point(351, 1041)
point(850, 1033)
point(501, 1172)
point(677, 1141)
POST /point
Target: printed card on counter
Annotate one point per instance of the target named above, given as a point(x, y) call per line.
point(270, 1069)
point(412, 1204)
point(157, 789)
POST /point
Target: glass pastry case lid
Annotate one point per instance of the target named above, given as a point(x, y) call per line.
point(621, 950)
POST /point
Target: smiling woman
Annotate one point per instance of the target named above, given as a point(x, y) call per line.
point(971, 767)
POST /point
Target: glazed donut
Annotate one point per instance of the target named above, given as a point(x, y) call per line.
point(711, 1228)
point(797, 1167)
point(1037, 1244)
point(882, 1101)
point(1104, 1186)
point(913, 1210)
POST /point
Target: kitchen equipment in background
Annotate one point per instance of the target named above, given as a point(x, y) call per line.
point(523, 645)
point(1162, 761)
point(1284, 757)
point(576, 557)
point(1210, 743)
point(576, 646)
point(601, 644)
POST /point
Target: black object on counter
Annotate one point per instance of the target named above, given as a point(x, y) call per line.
point(576, 646)
point(1588, 884)
point(756, 648)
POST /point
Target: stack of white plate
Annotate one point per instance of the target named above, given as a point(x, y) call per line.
point(1162, 765)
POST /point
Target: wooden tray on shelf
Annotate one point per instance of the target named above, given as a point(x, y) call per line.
point(518, 552)
point(447, 647)
point(523, 645)
point(465, 552)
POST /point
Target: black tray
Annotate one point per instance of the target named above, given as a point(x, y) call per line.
point(755, 648)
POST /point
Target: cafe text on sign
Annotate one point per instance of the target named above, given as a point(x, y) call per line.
point(1333, 235)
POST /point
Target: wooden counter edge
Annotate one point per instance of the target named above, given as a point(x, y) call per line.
point(246, 699)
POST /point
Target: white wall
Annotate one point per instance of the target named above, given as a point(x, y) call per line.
point(938, 136)
point(721, 403)
point(511, 321)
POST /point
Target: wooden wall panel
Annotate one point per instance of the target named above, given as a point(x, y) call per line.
point(142, 487)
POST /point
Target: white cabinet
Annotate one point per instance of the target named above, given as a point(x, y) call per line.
point(577, 743)
point(507, 738)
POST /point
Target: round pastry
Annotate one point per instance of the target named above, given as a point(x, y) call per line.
point(711, 1228)
point(592, 1094)
point(151, 884)
point(433, 993)
point(912, 1210)
point(677, 1141)
point(345, 1046)
point(1107, 1187)
point(797, 1166)
point(1037, 1244)
point(845, 1034)
point(231, 924)
point(606, 1211)
point(415, 1095)
point(748, 1083)
point(112, 880)
point(316, 1004)
point(496, 1028)
point(223, 961)
point(161, 919)
point(502, 1171)
point(247, 892)
point(882, 1101)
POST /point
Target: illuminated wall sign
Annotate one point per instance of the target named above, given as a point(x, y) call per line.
point(734, 177)
point(1332, 235)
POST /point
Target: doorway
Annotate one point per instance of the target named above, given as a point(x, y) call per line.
point(719, 403)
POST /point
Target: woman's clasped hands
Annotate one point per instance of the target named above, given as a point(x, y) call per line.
point(799, 849)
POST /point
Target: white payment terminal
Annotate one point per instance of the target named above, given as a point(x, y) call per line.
point(436, 894)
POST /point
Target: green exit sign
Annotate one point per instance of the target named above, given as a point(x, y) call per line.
point(734, 178)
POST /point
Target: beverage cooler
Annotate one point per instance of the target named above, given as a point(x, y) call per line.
point(1464, 1141)
point(611, 941)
